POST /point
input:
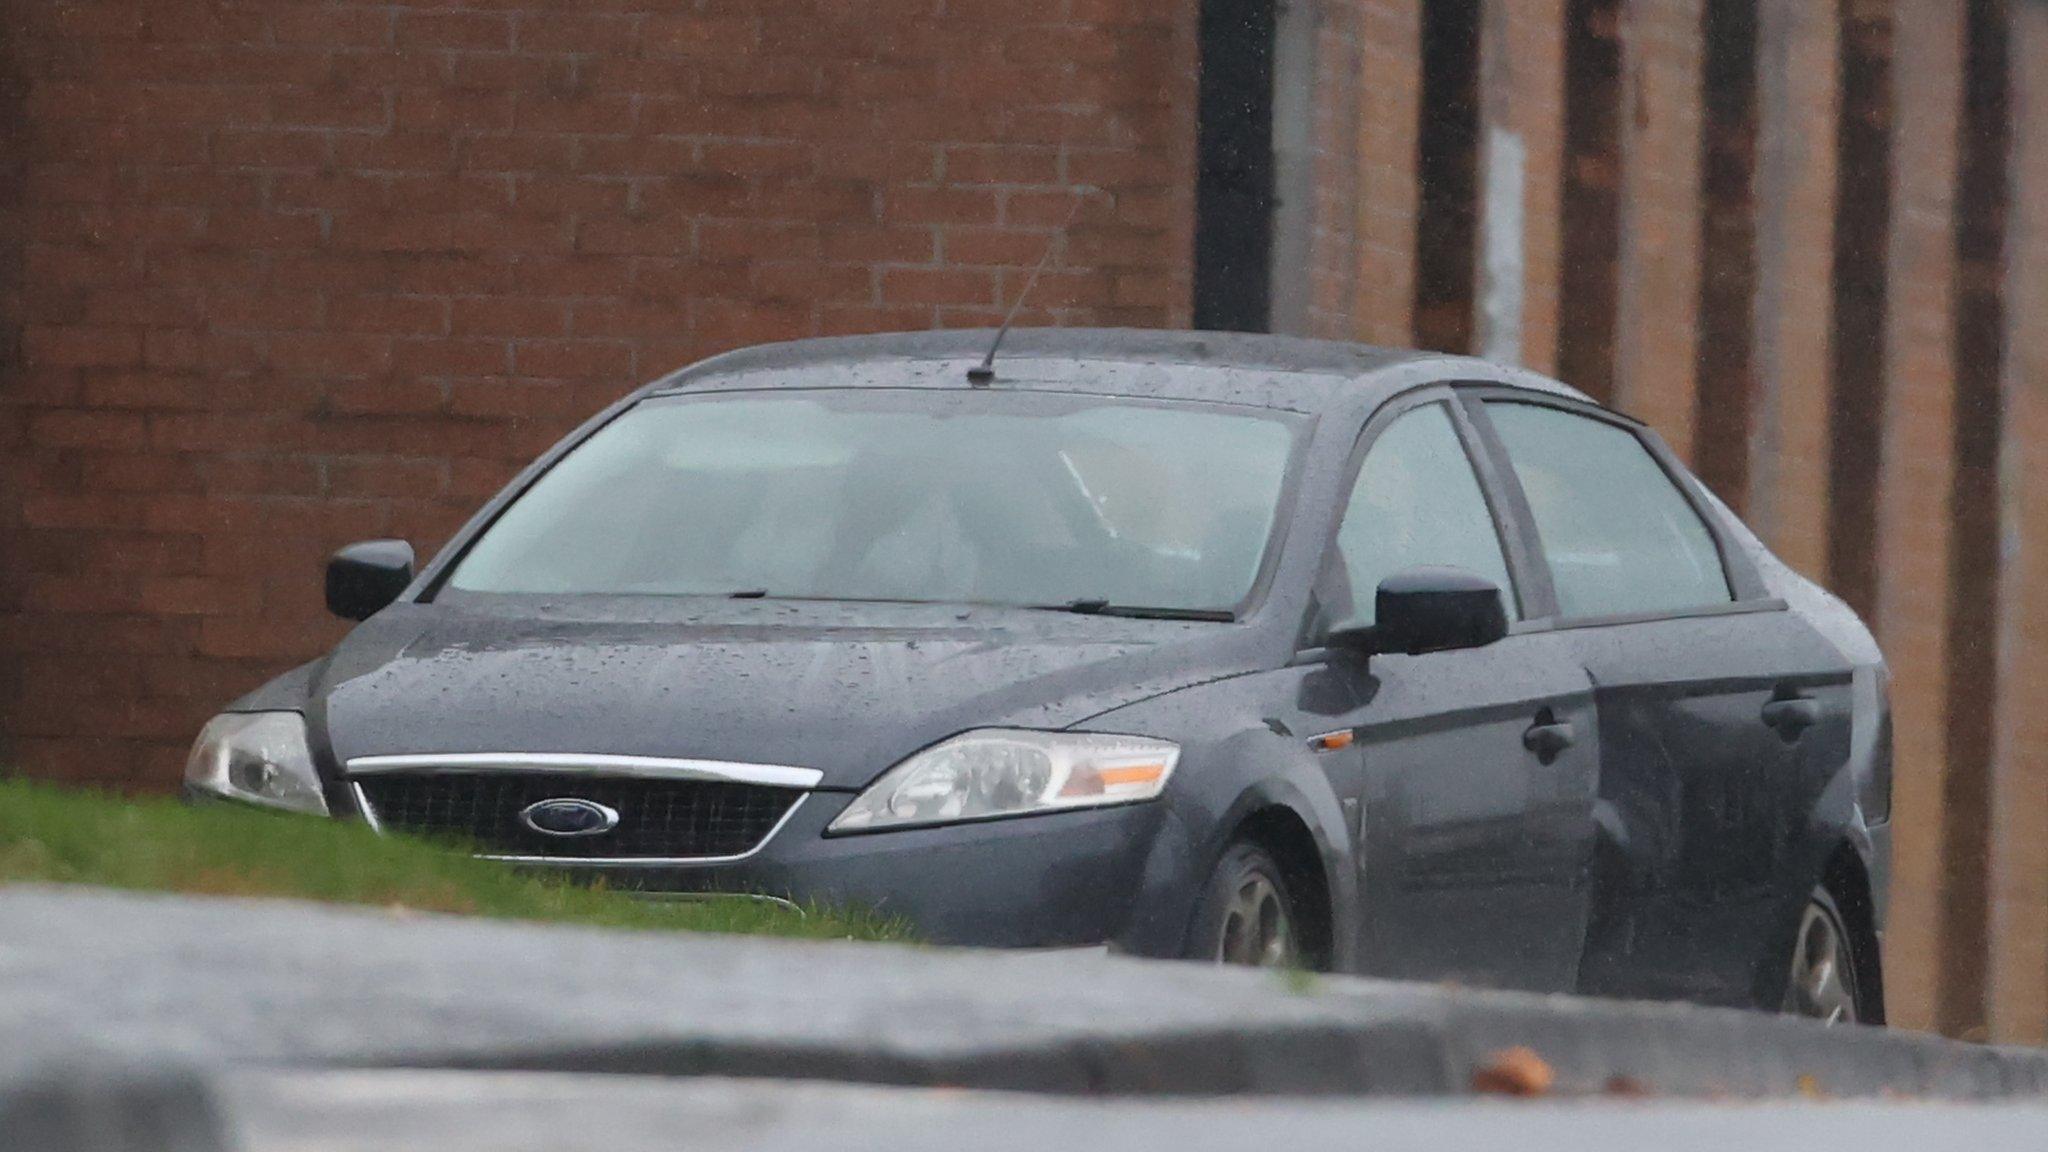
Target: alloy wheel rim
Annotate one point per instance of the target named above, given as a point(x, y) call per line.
point(1256, 931)
point(1821, 985)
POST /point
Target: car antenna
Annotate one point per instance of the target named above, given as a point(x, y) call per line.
point(984, 373)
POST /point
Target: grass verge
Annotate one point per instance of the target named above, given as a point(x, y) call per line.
point(57, 836)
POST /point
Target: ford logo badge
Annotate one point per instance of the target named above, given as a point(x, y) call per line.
point(569, 818)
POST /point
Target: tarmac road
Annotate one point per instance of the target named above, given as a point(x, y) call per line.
point(529, 1112)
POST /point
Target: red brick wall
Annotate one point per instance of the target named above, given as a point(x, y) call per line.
point(2018, 867)
point(1657, 309)
point(1786, 503)
point(1367, 116)
point(1916, 471)
point(1376, 170)
point(1849, 460)
point(1522, 48)
point(1337, 108)
point(286, 273)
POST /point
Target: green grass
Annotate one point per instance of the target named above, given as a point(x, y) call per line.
point(55, 836)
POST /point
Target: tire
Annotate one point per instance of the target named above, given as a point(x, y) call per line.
point(1247, 915)
point(1824, 971)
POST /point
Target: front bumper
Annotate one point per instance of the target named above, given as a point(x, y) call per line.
point(1055, 880)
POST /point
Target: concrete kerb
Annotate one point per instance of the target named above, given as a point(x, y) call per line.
point(1589, 1050)
point(112, 1106)
point(217, 983)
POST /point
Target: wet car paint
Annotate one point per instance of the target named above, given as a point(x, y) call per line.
point(1664, 853)
point(830, 687)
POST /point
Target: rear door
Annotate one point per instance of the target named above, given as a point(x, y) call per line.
point(1475, 822)
point(1712, 699)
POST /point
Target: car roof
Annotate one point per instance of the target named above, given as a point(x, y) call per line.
point(1286, 372)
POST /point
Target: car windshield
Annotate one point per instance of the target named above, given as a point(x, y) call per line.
point(969, 496)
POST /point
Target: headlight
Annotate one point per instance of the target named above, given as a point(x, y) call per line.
point(979, 775)
point(259, 758)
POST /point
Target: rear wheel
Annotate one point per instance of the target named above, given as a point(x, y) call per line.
point(1822, 977)
point(1247, 916)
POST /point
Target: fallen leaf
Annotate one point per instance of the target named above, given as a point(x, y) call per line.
point(1625, 1086)
point(1514, 1072)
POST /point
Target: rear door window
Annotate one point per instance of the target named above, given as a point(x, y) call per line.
point(1619, 535)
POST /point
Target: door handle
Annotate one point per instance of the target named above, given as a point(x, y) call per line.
point(1547, 738)
point(1792, 715)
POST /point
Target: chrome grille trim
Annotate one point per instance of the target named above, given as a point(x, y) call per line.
point(370, 817)
point(640, 767)
point(363, 805)
point(646, 767)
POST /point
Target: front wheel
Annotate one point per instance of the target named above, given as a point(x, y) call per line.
point(1247, 915)
point(1823, 983)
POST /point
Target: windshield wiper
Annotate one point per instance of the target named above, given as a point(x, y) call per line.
point(1096, 606)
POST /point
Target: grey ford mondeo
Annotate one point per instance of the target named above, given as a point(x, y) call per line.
point(1239, 648)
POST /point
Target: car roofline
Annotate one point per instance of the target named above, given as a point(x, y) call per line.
point(1345, 368)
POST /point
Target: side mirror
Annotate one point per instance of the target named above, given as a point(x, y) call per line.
point(1431, 610)
point(363, 578)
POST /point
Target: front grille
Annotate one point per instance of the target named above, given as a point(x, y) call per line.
point(669, 819)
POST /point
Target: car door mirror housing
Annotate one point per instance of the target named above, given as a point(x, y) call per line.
point(1431, 610)
point(365, 577)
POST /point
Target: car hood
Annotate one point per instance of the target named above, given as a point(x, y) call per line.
point(848, 690)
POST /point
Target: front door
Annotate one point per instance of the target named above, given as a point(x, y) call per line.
point(1475, 820)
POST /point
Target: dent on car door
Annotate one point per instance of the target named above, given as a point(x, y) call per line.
point(1477, 765)
point(1720, 712)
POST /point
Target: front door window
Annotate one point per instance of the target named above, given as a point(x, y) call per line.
point(1416, 502)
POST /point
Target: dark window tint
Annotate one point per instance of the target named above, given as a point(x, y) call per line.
point(1619, 535)
point(1416, 502)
